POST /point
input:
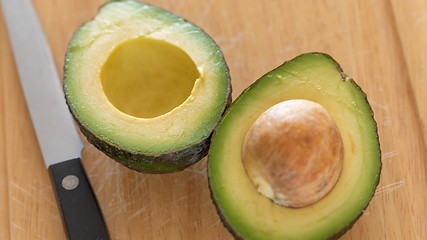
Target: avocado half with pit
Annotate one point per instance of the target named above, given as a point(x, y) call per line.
point(145, 86)
point(297, 154)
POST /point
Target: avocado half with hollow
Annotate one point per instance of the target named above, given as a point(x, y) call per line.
point(297, 154)
point(145, 86)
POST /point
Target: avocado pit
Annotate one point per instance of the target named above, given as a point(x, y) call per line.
point(293, 153)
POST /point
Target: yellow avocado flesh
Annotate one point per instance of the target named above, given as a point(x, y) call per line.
point(119, 44)
point(147, 78)
point(316, 78)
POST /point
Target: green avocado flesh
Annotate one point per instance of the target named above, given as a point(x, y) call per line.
point(145, 86)
point(249, 214)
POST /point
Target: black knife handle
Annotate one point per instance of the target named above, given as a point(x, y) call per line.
point(81, 214)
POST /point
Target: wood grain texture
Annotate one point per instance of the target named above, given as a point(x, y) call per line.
point(4, 194)
point(380, 43)
point(411, 25)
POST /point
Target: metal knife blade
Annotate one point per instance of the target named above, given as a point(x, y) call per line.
point(56, 132)
point(57, 135)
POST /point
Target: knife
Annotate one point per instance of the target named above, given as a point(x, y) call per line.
point(57, 135)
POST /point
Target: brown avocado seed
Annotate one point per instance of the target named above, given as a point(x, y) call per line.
point(293, 153)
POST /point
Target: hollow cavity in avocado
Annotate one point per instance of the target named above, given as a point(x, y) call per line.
point(145, 86)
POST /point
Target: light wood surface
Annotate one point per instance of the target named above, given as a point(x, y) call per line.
point(381, 44)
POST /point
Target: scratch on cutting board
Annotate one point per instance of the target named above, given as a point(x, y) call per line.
point(206, 204)
point(177, 201)
point(389, 155)
point(138, 212)
point(17, 200)
point(23, 190)
point(390, 187)
point(118, 194)
point(162, 224)
point(54, 217)
point(140, 186)
point(39, 186)
point(115, 172)
point(236, 39)
point(47, 186)
point(106, 174)
point(112, 203)
point(117, 210)
point(33, 187)
point(420, 19)
point(122, 203)
point(386, 122)
point(149, 216)
point(213, 225)
point(196, 171)
point(160, 179)
point(100, 187)
point(41, 237)
point(196, 175)
point(17, 226)
point(49, 201)
point(96, 162)
point(380, 106)
point(118, 202)
point(120, 236)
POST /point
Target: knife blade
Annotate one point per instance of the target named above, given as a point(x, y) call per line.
point(57, 135)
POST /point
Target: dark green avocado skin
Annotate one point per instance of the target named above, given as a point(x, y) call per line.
point(157, 163)
point(162, 163)
point(336, 235)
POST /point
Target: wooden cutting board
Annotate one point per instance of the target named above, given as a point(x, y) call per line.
point(381, 44)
